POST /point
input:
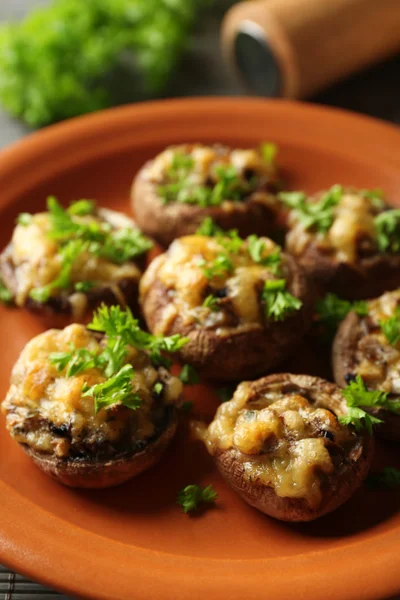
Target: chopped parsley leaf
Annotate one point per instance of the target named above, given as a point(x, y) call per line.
point(221, 266)
point(192, 496)
point(116, 390)
point(391, 328)
point(331, 310)
point(357, 395)
point(279, 303)
point(268, 151)
point(208, 228)
point(387, 226)
point(314, 215)
point(189, 375)
point(212, 303)
point(256, 248)
point(5, 295)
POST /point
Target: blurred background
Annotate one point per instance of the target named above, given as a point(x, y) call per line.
point(63, 58)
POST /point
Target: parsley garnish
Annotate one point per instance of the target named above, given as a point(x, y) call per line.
point(279, 303)
point(268, 151)
point(220, 266)
point(212, 303)
point(189, 375)
point(121, 330)
point(68, 253)
point(158, 388)
point(228, 186)
point(256, 247)
point(84, 286)
point(116, 390)
point(24, 219)
point(208, 228)
point(82, 207)
point(193, 495)
point(387, 226)
point(5, 295)
point(75, 237)
point(388, 477)
point(314, 215)
point(391, 328)
point(331, 310)
point(357, 395)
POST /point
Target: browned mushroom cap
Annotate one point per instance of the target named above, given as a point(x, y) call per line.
point(367, 278)
point(241, 353)
point(259, 213)
point(344, 366)
point(336, 487)
point(69, 304)
point(105, 473)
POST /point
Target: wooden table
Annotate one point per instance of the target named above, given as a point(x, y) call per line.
point(375, 92)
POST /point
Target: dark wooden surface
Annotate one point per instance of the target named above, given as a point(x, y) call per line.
point(375, 92)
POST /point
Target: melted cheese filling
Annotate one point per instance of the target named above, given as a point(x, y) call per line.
point(36, 260)
point(377, 361)
point(205, 163)
point(353, 221)
point(281, 440)
point(41, 401)
point(181, 271)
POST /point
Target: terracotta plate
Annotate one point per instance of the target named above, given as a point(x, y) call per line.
point(134, 542)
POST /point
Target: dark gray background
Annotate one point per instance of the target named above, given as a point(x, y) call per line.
point(375, 92)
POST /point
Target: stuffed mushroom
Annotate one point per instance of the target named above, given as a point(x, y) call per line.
point(243, 304)
point(280, 444)
point(175, 191)
point(68, 260)
point(347, 240)
point(93, 406)
point(367, 348)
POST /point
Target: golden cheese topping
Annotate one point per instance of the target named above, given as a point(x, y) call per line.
point(47, 411)
point(36, 260)
point(235, 287)
point(282, 439)
point(352, 231)
point(377, 360)
point(202, 166)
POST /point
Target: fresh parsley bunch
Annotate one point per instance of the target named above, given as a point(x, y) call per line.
point(67, 59)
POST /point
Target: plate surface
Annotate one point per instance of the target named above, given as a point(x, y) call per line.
point(134, 541)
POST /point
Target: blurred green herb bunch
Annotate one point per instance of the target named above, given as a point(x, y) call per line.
point(78, 56)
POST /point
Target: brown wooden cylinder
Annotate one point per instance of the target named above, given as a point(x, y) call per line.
point(309, 43)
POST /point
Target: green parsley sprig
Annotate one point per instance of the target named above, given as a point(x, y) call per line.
point(121, 331)
point(391, 328)
point(279, 303)
point(314, 215)
point(192, 496)
point(359, 397)
point(387, 225)
point(189, 375)
point(5, 295)
point(257, 247)
point(331, 310)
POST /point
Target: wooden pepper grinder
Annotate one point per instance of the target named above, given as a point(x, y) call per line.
point(293, 48)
